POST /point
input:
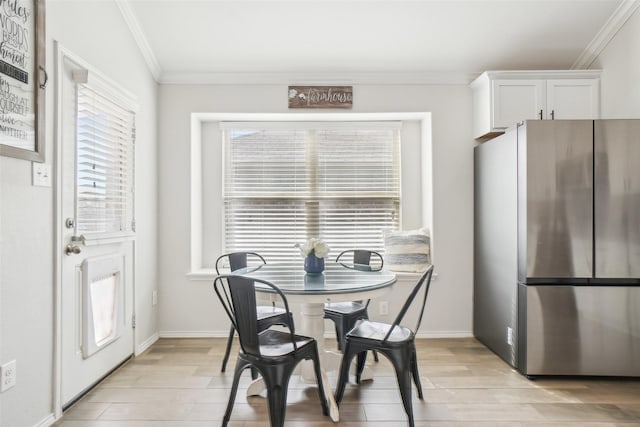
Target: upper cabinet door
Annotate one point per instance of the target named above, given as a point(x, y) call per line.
point(573, 99)
point(517, 100)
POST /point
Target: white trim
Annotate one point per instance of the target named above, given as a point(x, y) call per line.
point(57, 178)
point(196, 192)
point(144, 346)
point(606, 34)
point(444, 334)
point(202, 274)
point(364, 78)
point(106, 85)
point(536, 75)
point(131, 20)
point(198, 119)
point(194, 334)
point(46, 421)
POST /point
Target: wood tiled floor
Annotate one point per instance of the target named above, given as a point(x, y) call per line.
point(178, 383)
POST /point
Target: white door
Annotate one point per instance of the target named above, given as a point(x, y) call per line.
point(96, 271)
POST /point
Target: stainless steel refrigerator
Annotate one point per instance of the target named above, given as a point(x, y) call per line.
point(557, 247)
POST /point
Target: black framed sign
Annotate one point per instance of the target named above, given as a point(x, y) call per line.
point(22, 79)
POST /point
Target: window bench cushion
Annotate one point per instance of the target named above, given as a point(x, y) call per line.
point(407, 250)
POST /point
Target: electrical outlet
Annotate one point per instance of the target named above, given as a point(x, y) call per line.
point(383, 308)
point(8, 375)
point(509, 336)
point(154, 297)
point(41, 174)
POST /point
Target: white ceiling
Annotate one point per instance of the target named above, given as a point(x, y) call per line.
point(223, 41)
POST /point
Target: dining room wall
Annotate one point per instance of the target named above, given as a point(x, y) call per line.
point(190, 308)
point(97, 33)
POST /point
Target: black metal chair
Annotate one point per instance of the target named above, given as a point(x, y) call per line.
point(345, 314)
point(268, 315)
point(394, 341)
point(273, 353)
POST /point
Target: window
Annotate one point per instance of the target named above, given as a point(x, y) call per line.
point(104, 164)
point(285, 182)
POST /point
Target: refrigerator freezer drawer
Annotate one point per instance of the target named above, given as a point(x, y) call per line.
point(579, 330)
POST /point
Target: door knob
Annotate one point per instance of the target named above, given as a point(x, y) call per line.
point(72, 249)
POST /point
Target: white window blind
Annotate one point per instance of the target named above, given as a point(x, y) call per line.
point(104, 164)
point(287, 182)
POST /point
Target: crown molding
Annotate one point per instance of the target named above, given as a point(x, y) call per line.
point(351, 78)
point(606, 34)
point(141, 40)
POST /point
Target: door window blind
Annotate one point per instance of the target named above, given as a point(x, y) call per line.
point(285, 183)
point(104, 164)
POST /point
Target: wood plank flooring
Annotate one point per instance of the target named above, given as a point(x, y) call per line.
point(178, 383)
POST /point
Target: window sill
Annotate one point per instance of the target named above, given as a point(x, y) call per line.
point(203, 274)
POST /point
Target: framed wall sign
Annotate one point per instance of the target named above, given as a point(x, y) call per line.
point(320, 96)
point(22, 79)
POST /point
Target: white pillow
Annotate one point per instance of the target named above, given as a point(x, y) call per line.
point(407, 250)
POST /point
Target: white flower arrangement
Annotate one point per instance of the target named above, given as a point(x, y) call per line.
point(315, 247)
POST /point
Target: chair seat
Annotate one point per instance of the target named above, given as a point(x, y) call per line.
point(274, 343)
point(345, 307)
point(377, 331)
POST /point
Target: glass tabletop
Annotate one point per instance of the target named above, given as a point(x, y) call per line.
point(335, 279)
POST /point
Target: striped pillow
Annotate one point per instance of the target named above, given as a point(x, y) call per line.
point(407, 250)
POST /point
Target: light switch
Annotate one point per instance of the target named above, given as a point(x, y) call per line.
point(41, 174)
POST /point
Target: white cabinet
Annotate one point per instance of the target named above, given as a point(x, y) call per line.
point(503, 98)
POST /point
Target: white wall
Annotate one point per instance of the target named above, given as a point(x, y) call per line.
point(189, 308)
point(96, 32)
point(620, 65)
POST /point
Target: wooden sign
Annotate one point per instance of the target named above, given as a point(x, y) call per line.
point(320, 96)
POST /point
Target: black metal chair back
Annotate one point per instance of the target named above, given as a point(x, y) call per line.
point(394, 341)
point(272, 353)
point(361, 259)
point(267, 316)
point(345, 314)
point(238, 297)
point(238, 260)
point(425, 280)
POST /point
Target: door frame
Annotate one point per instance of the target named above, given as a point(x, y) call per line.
point(62, 54)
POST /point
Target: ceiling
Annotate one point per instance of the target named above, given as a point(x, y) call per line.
point(351, 41)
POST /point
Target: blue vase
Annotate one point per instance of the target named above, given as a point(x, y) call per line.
point(313, 264)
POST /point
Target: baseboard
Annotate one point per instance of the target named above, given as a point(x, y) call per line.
point(445, 334)
point(328, 335)
point(47, 421)
point(146, 344)
point(194, 334)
